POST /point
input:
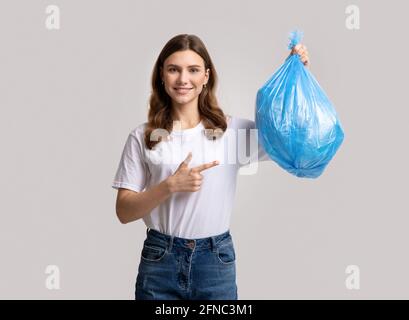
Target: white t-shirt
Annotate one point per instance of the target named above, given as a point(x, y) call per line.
point(203, 213)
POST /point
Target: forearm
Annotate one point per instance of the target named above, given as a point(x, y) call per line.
point(136, 205)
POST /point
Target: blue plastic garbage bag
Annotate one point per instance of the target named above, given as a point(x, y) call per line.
point(297, 124)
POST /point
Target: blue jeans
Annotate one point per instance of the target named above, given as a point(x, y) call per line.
point(173, 268)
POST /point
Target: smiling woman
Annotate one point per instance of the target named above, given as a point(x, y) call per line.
point(184, 77)
point(186, 204)
point(184, 81)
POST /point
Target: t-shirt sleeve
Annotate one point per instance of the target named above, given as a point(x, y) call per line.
point(132, 171)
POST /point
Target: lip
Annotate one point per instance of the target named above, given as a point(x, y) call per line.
point(182, 90)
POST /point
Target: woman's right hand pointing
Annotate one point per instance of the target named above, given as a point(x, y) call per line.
point(187, 179)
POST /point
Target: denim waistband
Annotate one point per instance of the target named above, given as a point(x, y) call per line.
point(201, 243)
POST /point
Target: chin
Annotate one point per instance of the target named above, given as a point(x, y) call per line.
point(183, 100)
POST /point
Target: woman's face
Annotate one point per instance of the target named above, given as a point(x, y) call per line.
point(184, 75)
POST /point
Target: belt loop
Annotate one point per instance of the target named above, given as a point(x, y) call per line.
point(170, 244)
point(213, 241)
point(147, 231)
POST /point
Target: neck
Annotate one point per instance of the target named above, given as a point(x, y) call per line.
point(187, 114)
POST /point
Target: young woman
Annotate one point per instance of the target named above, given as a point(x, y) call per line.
point(178, 173)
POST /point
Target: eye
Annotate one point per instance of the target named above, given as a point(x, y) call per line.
point(172, 69)
point(194, 70)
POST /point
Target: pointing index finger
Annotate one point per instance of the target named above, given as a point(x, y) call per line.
point(205, 166)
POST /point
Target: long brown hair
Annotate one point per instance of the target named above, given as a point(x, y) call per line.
point(160, 104)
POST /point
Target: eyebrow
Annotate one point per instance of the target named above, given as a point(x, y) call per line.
point(175, 65)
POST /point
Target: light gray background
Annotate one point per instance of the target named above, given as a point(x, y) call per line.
point(70, 97)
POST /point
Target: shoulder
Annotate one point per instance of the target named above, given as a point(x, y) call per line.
point(241, 123)
point(139, 131)
point(136, 136)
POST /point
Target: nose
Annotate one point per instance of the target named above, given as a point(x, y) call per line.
point(183, 77)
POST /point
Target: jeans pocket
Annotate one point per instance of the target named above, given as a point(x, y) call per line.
point(226, 253)
point(153, 253)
